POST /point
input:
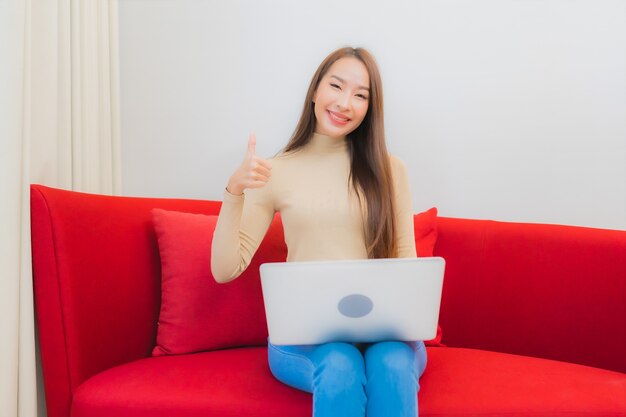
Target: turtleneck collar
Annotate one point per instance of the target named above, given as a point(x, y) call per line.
point(326, 144)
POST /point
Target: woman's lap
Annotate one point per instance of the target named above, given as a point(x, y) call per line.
point(296, 365)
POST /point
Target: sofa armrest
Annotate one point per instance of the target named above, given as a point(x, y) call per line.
point(557, 292)
point(96, 271)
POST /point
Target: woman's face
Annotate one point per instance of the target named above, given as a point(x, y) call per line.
point(342, 98)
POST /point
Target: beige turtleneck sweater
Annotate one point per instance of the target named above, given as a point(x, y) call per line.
point(320, 212)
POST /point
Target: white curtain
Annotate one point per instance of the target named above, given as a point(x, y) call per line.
point(59, 126)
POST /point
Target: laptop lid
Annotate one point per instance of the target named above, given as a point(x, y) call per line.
point(353, 300)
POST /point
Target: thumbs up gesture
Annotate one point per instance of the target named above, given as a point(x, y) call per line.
point(254, 172)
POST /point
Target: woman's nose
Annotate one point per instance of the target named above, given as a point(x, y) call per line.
point(343, 101)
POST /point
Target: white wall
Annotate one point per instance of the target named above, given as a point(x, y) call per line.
point(502, 109)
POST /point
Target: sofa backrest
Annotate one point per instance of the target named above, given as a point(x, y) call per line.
point(550, 291)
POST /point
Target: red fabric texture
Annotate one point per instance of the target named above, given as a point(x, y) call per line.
point(223, 383)
point(457, 382)
point(48, 307)
point(197, 314)
point(425, 227)
point(468, 382)
point(550, 291)
point(96, 273)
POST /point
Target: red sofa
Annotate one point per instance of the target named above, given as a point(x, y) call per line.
point(533, 318)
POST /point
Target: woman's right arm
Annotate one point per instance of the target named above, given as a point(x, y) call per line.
point(243, 219)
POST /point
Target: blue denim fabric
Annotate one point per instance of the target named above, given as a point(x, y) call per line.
point(380, 380)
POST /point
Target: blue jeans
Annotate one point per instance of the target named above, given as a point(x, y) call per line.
point(379, 380)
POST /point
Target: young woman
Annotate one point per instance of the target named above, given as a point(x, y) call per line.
point(340, 196)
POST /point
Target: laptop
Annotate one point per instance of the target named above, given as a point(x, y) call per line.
point(368, 300)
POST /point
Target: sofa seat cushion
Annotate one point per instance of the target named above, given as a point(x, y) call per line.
point(471, 382)
point(457, 382)
point(221, 383)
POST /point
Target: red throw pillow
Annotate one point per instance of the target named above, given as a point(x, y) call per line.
point(198, 314)
point(425, 226)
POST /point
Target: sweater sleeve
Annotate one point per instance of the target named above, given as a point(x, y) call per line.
point(241, 226)
point(404, 210)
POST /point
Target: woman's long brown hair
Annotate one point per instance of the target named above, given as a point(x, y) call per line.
point(370, 168)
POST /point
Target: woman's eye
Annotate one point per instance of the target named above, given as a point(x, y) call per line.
point(362, 96)
point(333, 85)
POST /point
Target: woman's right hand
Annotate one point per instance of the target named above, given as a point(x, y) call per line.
point(254, 172)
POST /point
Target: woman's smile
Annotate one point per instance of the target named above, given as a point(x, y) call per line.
point(338, 118)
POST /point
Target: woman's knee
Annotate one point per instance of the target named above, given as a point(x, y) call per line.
point(394, 357)
point(340, 362)
point(339, 356)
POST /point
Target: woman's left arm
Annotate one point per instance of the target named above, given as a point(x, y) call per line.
point(405, 232)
